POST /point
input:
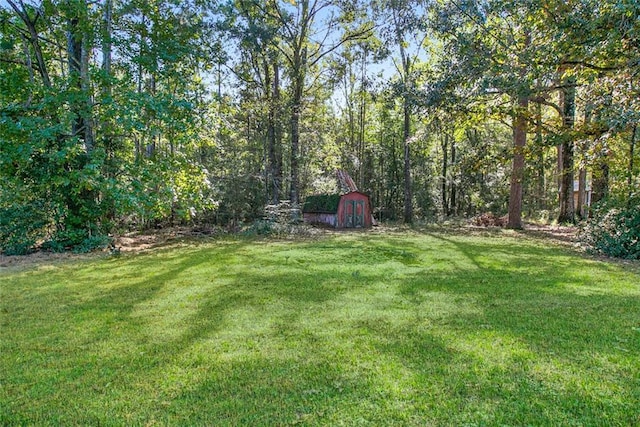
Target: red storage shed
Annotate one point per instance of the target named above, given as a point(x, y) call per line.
point(349, 210)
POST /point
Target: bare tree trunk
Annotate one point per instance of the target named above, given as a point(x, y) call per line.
point(517, 172)
point(453, 208)
point(362, 117)
point(600, 172)
point(567, 208)
point(559, 169)
point(106, 126)
point(294, 192)
point(79, 205)
point(349, 97)
point(74, 57)
point(443, 182)
point(299, 73)
point(107, 44)
point(272, 132)
point(582, 203)
point(541, 182)
point(581, 208)
point(277, 184)
point(85, 84)
point(408, 197)
point(632, 146)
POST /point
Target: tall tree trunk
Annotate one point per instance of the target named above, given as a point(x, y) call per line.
point(272, 131)
point(138, 139)
point(299, 73)
point(407, 81)
point(585, 202)
point(154, 145)
point(87, 111)
point(540, 181)
point(443, 179)
point(362, 117)
point(600, 185)
point(74, 57)
point(517, 172)
point(408, 197)
point(294, 194)
point(568, 98)
point(351, 125)
point(78, 63)
point(632, 146)
point(559, 169)
point(453, 208)
point(107, 45)
point(581, 206)
point(107, 123)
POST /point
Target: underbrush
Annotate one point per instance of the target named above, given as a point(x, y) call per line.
point(614, 229)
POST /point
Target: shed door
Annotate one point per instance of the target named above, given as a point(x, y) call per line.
point(354, 214)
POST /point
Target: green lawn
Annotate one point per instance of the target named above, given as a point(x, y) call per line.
point(349, 329)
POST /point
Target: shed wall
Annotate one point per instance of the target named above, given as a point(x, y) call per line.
point(320, 218)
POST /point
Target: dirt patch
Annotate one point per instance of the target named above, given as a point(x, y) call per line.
point(126, 243)
point(558, 233)
point(36, 258)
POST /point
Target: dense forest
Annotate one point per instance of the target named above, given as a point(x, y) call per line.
point(120, 115)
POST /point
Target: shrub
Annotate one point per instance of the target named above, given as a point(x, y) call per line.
point(22, 225)
point(614, 229)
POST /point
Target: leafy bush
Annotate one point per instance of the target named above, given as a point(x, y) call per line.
point(92, 243)
point(22, 225)
point(265, 227)
point(614, 229)
point(78, 241)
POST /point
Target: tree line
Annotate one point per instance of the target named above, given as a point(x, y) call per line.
point(127, 114)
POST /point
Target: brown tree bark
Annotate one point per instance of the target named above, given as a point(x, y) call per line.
point(299, 73)
point(517, 172)
point(408, 196)
point(275, 161)
point(107, 44)
point(540, 169)
point(443, 179)
point(568, 101)
point(296, 109)
point(581, 208)
point(453, 209)
point(632, 146)
point(74, 57)
point(362, 114)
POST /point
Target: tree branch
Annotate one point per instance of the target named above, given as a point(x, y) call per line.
point(350, 37)
point(592, 66)
point(543, 101)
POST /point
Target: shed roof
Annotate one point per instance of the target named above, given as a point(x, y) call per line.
point(322, 203)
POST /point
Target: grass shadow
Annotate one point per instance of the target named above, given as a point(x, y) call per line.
point(424, 329)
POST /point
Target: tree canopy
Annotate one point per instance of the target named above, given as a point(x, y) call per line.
point(118, 115)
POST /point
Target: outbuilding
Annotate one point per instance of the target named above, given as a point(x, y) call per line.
point(349, 210)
